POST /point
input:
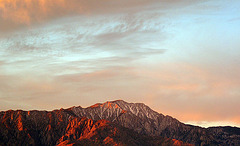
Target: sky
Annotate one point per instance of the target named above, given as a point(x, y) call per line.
point(179, 57)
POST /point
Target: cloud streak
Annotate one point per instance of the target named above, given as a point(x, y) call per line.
point(25, 12)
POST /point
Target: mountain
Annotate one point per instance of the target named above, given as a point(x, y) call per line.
point(64, 127)
point(110, 123)
point(142, 119)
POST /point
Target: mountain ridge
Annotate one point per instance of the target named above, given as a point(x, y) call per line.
point(63, 127)
point(150, 122)
point(141, 119)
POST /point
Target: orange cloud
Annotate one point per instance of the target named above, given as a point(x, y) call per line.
point(28, 11)
point(18, 13)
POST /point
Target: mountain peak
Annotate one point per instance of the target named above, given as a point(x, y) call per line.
point(119, 101)
point(138, 109)
point(107, 104)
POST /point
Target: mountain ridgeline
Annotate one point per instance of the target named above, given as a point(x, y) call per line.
point(110, 123)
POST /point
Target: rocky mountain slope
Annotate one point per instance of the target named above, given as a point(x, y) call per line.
point(142, 119)
point(109, 123)
point(63, 127)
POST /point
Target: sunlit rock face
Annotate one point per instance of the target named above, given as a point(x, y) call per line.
point(109, 123)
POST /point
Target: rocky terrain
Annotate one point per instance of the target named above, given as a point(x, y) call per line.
point(142, 119)
point(110, 123)
point(63, 127)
